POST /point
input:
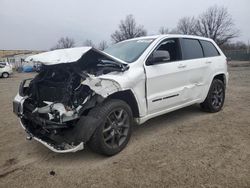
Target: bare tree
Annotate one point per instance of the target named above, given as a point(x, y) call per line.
point(187, 26)
point(102, 45)
point(239, 45)
point(64, 42)
point(216, 23)
point(128, 29)
point(164, 30)
point(88, 43)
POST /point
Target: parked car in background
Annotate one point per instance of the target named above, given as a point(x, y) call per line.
point(5, 69)
point(83, 95)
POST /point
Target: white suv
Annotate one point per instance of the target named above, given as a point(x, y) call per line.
point(83, 95)
point(5, 69)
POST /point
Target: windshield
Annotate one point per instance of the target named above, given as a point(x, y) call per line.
point(129, 51)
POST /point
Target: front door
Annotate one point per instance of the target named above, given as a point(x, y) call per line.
point(166, 79)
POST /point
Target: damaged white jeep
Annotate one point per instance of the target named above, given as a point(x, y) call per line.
point(85, 96)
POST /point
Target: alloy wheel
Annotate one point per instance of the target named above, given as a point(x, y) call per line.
point(217, 96)
point(116, 128)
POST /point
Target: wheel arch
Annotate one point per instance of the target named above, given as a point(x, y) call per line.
point(221, 77)
point(128, 97)
point(88, 123)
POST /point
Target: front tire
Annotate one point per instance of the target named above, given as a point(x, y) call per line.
point(115, 130)
point(215, 98)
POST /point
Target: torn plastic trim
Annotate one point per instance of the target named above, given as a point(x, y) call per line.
point(101, 86)
point(64, 115)
point(70, 150)
point(76, 148)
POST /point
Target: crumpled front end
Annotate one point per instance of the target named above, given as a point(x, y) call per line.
point(54, 106)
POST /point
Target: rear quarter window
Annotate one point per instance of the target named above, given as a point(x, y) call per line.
point(209, 49)
point(191, 49)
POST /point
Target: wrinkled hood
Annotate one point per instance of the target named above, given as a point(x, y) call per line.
point(68, 55)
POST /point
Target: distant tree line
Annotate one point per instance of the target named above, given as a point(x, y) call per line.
point(236, 46)
point(215, 23)
point(64, 42)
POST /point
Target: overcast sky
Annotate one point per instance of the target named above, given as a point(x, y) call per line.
point(38, 24)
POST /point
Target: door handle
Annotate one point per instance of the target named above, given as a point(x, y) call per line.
point(181, 66)
point(208, 62)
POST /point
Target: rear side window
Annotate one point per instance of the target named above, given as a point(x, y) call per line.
point(191, 49)
point(209, 49)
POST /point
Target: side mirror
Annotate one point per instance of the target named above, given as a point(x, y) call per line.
point(158, 56)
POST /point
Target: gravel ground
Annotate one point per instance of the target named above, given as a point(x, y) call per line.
point(185, 148)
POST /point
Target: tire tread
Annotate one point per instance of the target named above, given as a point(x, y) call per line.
point(100, 111)
point(206, 105)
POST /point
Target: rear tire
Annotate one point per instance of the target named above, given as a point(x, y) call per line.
point(215, 97)
point(5, 75)
point(114, 132)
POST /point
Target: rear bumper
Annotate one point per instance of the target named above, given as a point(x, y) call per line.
point(18, 110)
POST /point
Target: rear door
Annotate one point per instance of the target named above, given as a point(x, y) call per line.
point(197, 67)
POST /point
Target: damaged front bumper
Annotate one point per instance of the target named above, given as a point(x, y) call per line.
point(69, 149)
point(18, 110)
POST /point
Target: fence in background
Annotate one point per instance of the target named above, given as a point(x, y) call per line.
point(240, 55)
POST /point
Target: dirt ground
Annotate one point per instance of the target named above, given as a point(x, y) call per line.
point(186, 148)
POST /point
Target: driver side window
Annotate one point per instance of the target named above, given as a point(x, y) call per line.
point(167, 51)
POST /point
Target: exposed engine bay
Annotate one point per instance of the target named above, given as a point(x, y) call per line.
point(58, 100)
